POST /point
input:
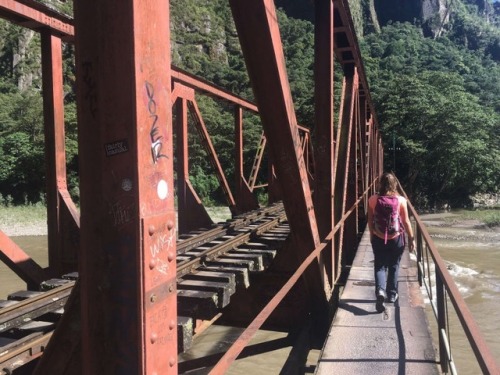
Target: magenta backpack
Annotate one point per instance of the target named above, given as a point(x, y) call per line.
point(386, 215)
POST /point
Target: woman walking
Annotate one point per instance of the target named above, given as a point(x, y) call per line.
point(387, 216)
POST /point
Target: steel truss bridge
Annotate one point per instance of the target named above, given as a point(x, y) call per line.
point(136, 271)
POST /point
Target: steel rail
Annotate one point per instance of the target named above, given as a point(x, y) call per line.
point(25, 311)
point(482, 352)
point(184, 245)
point(185, 267)
point(23, 353)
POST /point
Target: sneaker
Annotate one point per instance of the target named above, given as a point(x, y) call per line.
point(393, 298)
point(379, 305)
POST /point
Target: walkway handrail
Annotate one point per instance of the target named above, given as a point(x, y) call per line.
point(445, 286)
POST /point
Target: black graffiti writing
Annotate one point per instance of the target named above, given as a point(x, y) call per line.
point(90, 87)
point(154, 133)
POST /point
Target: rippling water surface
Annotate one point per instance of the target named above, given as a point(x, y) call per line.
point(472, 256)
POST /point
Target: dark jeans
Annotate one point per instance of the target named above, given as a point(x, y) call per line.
point(387, 258)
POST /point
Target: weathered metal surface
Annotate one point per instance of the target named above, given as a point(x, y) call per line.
point(323, 125)
point(31, 305)
point(23, 351)
point(20, 262)
point(245, 200)
point(257, 28)
point(63, 219)
point(128, 270)
point(212, 154)
point(191, 213)
point(36, 16)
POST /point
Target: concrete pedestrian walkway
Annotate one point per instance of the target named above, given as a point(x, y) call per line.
point(362, 341)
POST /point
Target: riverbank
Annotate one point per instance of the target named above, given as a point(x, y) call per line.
point(456, 227)
point(23, 220)
point(32, 220)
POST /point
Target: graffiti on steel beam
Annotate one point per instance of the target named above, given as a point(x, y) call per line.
point(164, 242)
point(156, 139)
point(90, 87)
point(121, 214)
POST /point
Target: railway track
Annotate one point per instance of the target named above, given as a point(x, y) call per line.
point(212, 264)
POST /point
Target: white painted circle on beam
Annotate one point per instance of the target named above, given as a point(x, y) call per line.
point(162, 189)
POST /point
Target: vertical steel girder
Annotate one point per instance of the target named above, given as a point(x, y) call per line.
point(191, 213)
point(342, 159)
point(349, 243)
point(257, 27)
point(245, 200)
point(127, 271)
point(212, 155)
point(62, 215)
point(323, 125)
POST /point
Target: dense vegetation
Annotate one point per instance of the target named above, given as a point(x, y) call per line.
point(437, 98)
point(439, 108)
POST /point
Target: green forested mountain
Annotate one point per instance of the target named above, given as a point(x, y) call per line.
point(433, 68)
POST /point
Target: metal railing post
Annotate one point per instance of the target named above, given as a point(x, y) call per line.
point(441, 321)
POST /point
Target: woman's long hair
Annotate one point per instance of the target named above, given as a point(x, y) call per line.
point(388, 184)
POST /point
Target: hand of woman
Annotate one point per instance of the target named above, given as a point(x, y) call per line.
point(411, 245)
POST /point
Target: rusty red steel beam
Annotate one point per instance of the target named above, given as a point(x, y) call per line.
point(257, 27)
point(128, 231)
point(245, 200)
point(191, 212)
point(340, 167)
point(343, 157)
point(62, 215)
point(241, 342)
point(350, 231)
point(324, 125)
point(324, 118)
point(20, 262)
point(212, 154)
point(179, 75)
point(36, 16)
point(346, 41)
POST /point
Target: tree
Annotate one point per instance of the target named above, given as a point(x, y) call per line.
point(446, 140)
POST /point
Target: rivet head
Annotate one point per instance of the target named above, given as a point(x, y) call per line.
point(172, 324)
point(152, 264)
point(153, 298)
point(151, 230)
point(171, 256)
point(154, 337)
point(171, 362)
point(170, 224)
point(171, 288)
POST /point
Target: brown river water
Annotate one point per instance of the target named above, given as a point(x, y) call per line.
point(473, 258)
